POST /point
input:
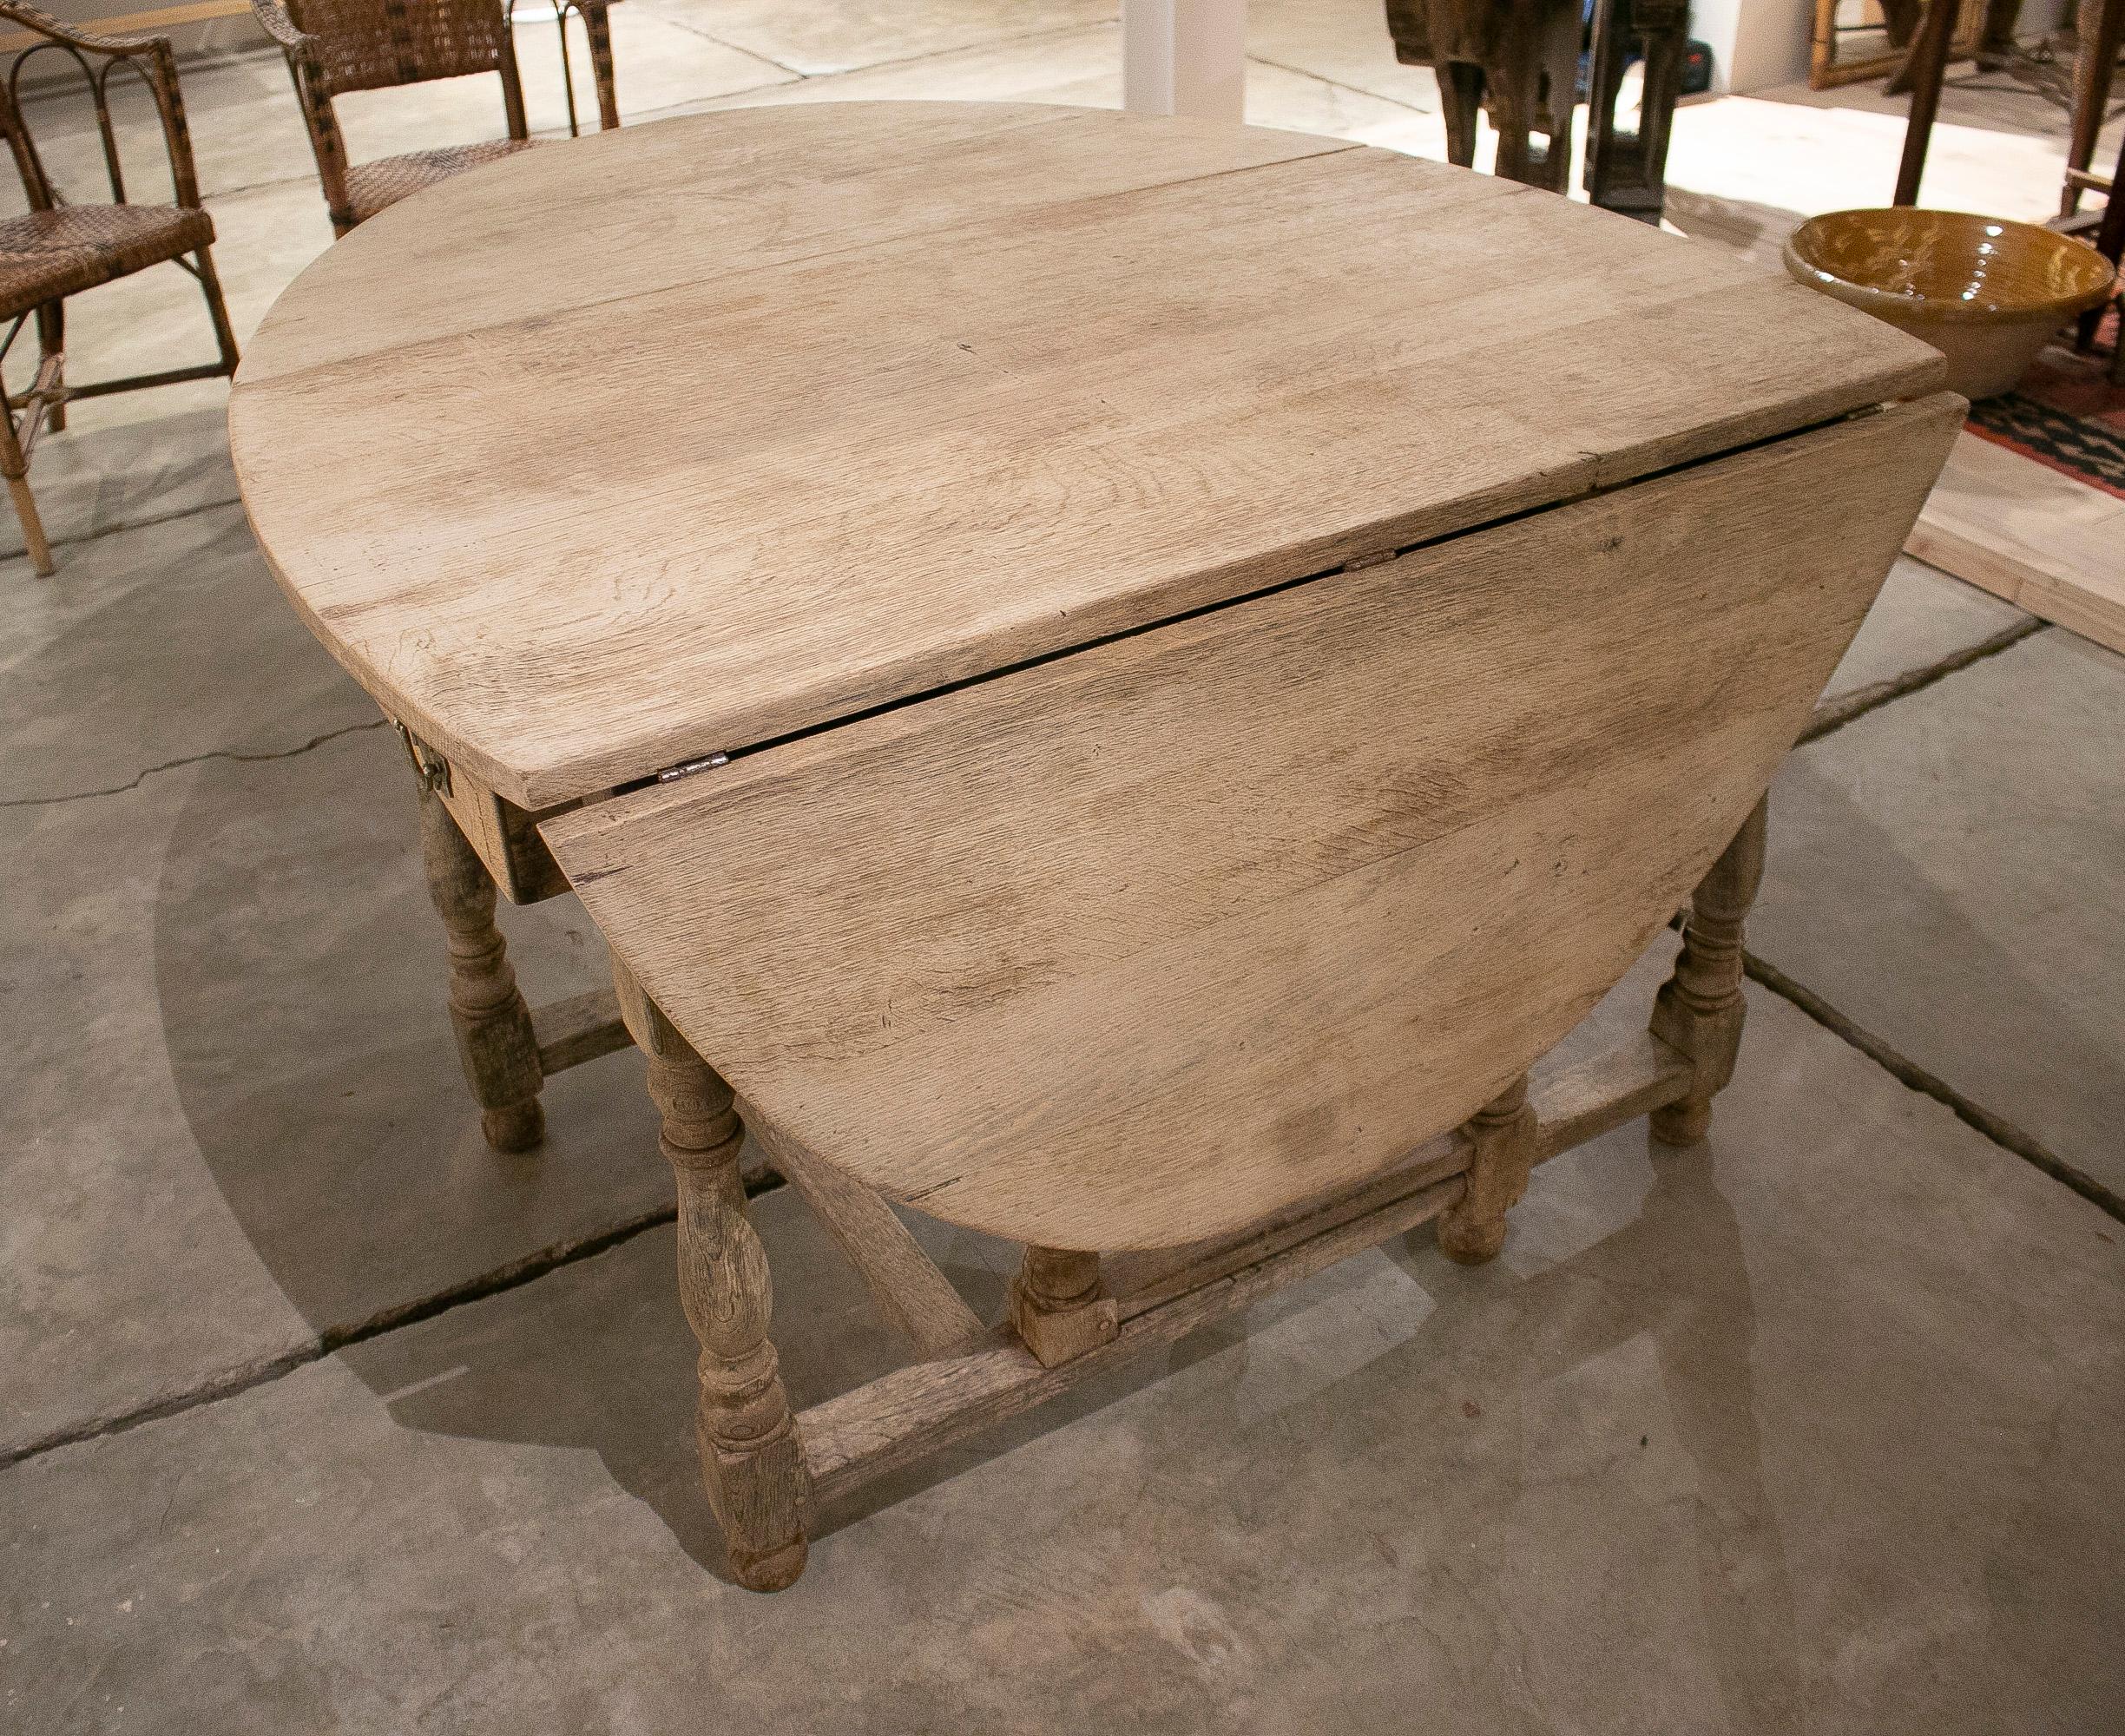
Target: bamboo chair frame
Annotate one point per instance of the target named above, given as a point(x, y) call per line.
point(59, 249)
point(335, 46)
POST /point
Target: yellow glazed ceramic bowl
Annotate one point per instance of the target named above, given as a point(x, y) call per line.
point(1985, 292)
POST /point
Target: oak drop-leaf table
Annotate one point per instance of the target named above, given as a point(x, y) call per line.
point(1120, 682)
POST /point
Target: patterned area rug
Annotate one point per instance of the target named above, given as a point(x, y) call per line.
point(2065, 413)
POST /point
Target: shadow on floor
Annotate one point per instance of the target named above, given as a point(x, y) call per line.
point(301, 980)
point(300, 975)
point(599, 1358)
point(1852, 908)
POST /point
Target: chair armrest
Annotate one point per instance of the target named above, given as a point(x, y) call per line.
point(280, 27)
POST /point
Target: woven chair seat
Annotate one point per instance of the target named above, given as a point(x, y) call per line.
point(371, 185)
point(47, 255)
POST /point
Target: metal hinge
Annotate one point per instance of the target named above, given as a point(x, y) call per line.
point(687, 768)
point(430, 767)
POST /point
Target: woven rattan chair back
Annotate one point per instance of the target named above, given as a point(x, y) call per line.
point(337, 46)
point(59, 248)
point(370, 44)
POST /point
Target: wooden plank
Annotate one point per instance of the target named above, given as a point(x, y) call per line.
point(579, 1028)
point(1150, 1278)
point(906, 1416)
point(1140, 946)
point(658, 207)
point(904, 1281)
point(756, 466)
point(1585, 1102)
point(2020, 530)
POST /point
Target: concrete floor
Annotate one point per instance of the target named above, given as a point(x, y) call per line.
point(314, 1414)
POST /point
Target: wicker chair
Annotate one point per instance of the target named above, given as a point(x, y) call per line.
point(59, 249)
point(334, 46)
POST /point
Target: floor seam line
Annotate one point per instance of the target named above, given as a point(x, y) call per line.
point(530, 1268)
point(1338, 84)
point(497, 1281)
point(721, 43)
point(704, 105)
point(1832, 717)
point(906, 60)
point(235, 755)
point(208, 199)
point(2000, 1131)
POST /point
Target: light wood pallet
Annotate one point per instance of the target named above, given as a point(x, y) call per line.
point(2024, 532)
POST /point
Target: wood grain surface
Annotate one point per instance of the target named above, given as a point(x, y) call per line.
point(2020, 530)
point(1139, 945)
point(681, 438)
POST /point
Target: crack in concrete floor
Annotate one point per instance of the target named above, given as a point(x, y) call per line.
point(232, 755)
point(1832, 717)
point(229, 1383)
point(1997, 1128)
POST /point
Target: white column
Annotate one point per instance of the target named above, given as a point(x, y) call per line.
point(1184, 57)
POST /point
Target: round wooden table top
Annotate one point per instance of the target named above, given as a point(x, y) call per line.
point(686, 436)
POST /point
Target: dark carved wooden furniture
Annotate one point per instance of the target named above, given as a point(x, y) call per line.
point(2110, 243)
point(2099, 33)
point(336, 46)
point(1519, 59)
point(1627, 168)
point(58, 248)
point(1984, 32)
point(2099, 28)
point(1095, 692)
point(1928, 69)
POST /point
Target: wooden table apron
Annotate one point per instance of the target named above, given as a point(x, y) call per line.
point(1122, 682)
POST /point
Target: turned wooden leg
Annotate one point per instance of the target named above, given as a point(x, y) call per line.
point(751, 1456)
point(1700, 1010)
point(495, 1039)
point(1059, 1304)
point(1472, 1229)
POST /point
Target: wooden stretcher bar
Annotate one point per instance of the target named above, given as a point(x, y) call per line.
point(905, 1416)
